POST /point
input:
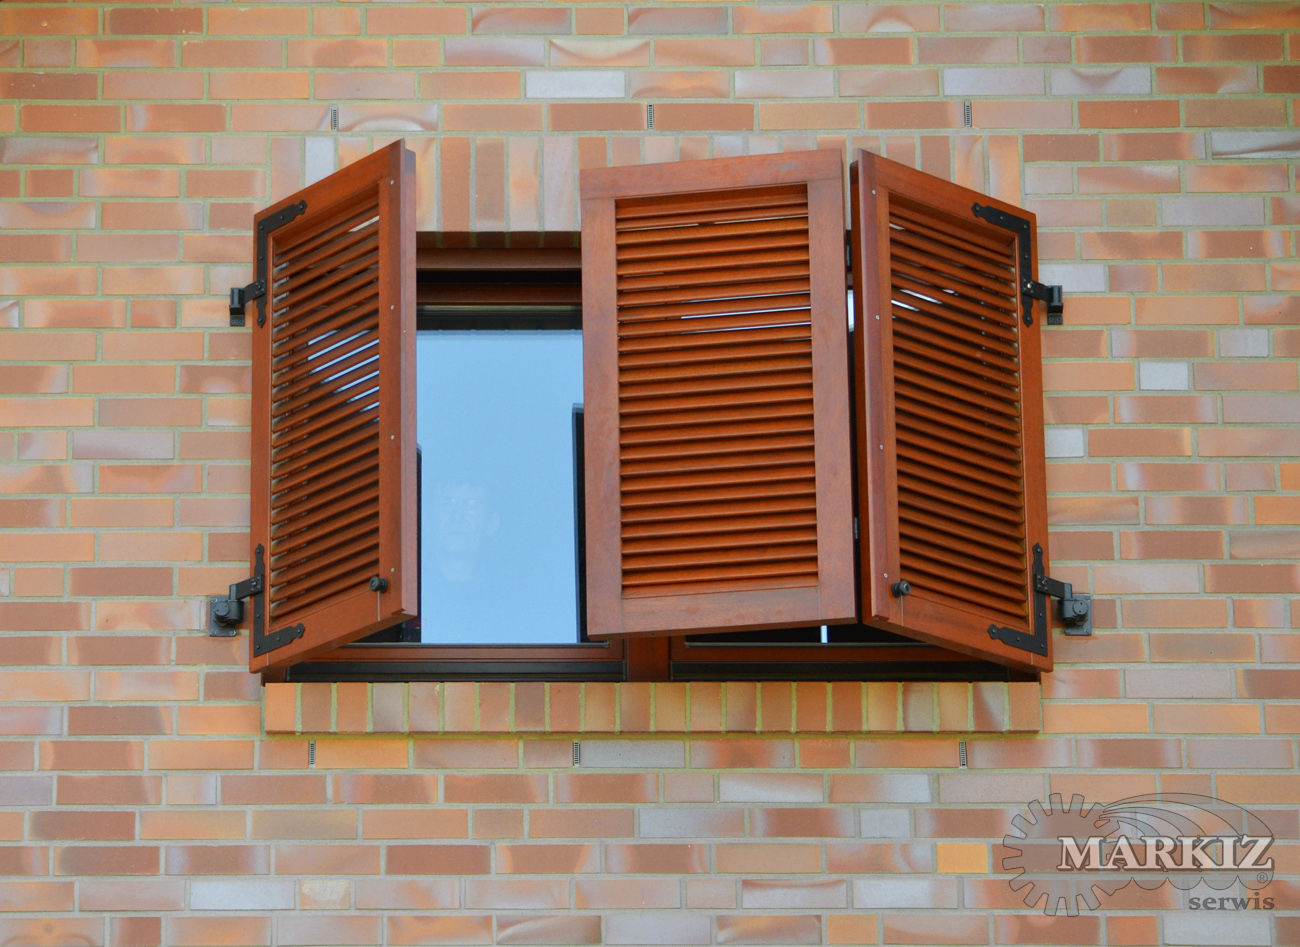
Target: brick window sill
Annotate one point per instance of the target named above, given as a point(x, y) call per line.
point(638, 708)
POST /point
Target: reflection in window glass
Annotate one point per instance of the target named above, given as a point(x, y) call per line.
point(497, 485)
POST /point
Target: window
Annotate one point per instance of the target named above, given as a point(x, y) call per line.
point(736, 434)
point(499, 409)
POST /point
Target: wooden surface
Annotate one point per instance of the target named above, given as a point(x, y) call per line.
point(949, 394)
point(333, 468)
point(719, 493)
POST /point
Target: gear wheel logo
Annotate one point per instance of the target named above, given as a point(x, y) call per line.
point(1077, 854)
point(1035, 855)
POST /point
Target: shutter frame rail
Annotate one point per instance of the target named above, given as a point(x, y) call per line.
point(241, 296)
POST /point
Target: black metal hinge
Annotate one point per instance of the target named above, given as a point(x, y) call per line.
point(225, 614)
point(1075, 611)
point(1030, 289)
point(241, 296)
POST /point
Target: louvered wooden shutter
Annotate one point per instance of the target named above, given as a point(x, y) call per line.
point(949, 391)
point(717, 430)
point(333, 469)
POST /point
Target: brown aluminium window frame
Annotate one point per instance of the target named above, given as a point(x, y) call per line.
point(942, 372)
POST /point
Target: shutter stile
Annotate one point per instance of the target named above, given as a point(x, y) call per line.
point(952, 493)
point(713, 428)
point(331, 509)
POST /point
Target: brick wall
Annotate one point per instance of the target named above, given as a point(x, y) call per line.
point(147, 795)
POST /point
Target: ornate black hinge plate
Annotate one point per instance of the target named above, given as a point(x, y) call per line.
point(276, 639)
point(1030, 289)
point(241, 296)
point(1075, 611)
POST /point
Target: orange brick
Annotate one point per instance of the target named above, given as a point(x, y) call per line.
point(715, 51)
point(1148, 442)
point(1120, 113)
point(200, 754)
point(1091, 718)
point(1219, 717)
point(372, 752)
point(588, 116)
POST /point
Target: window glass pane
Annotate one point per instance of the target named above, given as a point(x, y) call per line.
point(496, 435)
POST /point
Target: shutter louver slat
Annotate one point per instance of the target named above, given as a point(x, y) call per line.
point(314, 334)
point(724, 300)
point(332, 263)
point(714, 289)
point(305, 450)
point(712, 315)
point(946, 386)
point(333, 497)
point(318, 481)
point(921, 482)
point(310, 553)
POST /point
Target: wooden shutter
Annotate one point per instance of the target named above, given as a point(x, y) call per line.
point(333, 468)
point(717, 428)
point(949, 402)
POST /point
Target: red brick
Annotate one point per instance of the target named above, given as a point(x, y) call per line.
point(1147, 442)
point(599, 116)
point(1119, 113)
point(658, 21)
point(606, 787)
point(439, 929)
point(521, 20)
point(331, 53)
point(222, 929)
point(494, 788)
point(1135, 49)
point(1229, 47)
point(719, 51)
point(106, 860)
point(38, 21)
point(479, 51)
point(677, 116)
point(437, 859)
point(1203, 80)
point(781, 116)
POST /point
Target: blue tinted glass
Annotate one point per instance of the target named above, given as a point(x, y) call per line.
point(497, 485)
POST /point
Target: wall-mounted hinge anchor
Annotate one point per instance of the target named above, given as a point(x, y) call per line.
point(1050, 293)
point(241, 296)
point(256, 291)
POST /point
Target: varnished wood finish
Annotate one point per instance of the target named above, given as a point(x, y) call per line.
point(333, 468)
point(949, 401)
point(718, 453)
